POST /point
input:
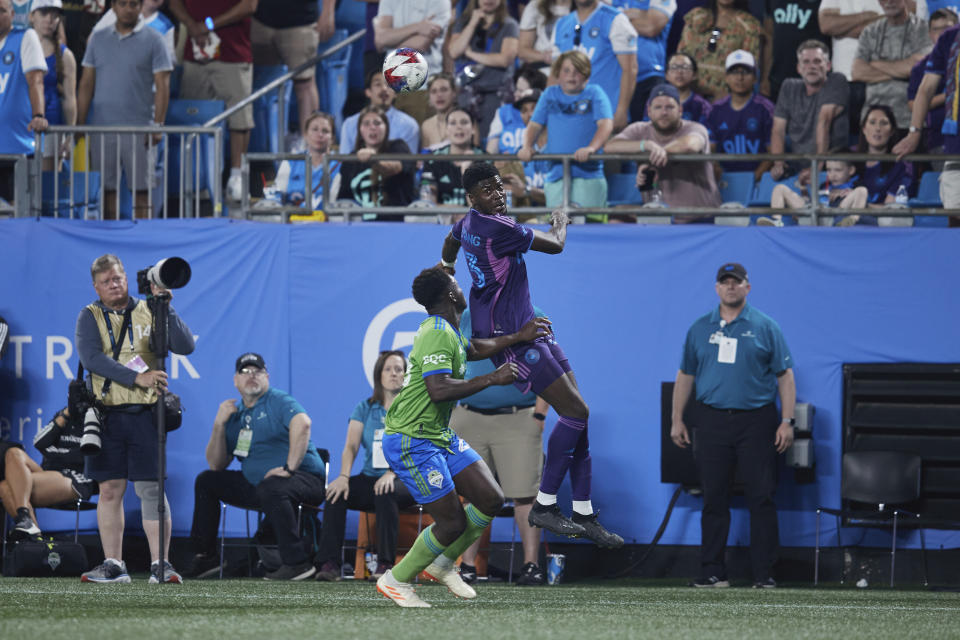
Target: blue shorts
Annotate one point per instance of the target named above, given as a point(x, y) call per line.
point(426, 469)
point(540, 363)
point(128, 447)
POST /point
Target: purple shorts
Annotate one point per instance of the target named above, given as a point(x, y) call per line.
point(540, 363)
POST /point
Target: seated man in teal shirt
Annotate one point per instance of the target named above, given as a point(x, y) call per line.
point(270, 433)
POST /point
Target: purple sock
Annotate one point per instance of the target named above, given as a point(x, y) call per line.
point(560, 452)
point(581, 469)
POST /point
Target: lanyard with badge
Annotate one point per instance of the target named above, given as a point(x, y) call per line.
point(727, 350)
point(136, 363)
point(244, 438)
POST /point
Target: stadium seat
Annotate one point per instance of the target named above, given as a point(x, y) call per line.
point(738, 186)
point(84, 202)
point(266, 136)
point(331, 77)
point(928, 195)
point(192, 112)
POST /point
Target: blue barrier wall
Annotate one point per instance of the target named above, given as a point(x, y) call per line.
point(320, 301)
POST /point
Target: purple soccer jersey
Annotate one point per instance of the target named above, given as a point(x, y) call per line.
point(745, 131)
point(493, 246)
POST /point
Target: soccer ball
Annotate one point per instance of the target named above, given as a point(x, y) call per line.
point(405, 70)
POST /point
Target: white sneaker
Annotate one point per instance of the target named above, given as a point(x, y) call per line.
point(451, 578)
point(234, 189)
point(400, 592)
point(769, 222)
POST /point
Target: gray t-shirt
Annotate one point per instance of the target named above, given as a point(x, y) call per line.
point(490, 78)
point(123, 92)
point(881, 40)
point(800, 111)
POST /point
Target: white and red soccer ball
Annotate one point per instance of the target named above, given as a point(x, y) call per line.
point(405, 70)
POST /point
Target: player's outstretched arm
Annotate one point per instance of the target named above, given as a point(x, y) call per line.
point(448, 255)
point(442, 387)
point(552, 241)
point(481, 348)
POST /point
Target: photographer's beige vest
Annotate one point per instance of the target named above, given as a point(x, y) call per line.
point(140, 325)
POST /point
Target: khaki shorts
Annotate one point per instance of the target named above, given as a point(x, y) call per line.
point(511, 444)
point(950, 186)
point(227, 81)
point(291, 46)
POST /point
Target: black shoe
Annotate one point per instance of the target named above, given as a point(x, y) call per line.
point(595, 531)
point(328, 572)
point(712, 581)
point(24, 528)
point(203, 566)
point(468, 573)
point(769, 583)
point(292, 572)
point(551, 519)
point(531, 576)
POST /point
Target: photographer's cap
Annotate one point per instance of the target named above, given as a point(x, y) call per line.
point(733, 269)
point(250, 360)
point(741, 58)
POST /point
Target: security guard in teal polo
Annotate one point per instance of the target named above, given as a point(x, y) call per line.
point(739, 360)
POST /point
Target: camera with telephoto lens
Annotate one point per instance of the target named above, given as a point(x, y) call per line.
point(90, 441)
point(169, 273)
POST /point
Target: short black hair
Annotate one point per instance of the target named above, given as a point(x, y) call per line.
point(478, 171)
point(430, 286)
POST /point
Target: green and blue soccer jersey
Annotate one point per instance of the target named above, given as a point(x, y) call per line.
point(437, 348)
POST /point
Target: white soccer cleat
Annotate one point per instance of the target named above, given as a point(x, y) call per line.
point(451, 578)
point(400, 592)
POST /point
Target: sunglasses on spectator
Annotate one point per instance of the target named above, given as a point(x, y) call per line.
point(714, 36)
point(680, 67)
point(576, 35)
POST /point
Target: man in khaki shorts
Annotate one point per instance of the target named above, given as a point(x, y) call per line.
point(289, 32)
point(505, 426)
point(218, 65)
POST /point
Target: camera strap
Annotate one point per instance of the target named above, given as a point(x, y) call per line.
point(117, 345)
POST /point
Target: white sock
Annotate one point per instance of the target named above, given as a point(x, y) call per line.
point(234, 171)
point(443, 562)
point(583, 507)
point(113, 561)
point(546, 499)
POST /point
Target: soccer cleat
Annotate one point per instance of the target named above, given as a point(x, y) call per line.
point(329, 572)
point(170, 575)
point(451, 578)
point(712, 581)
point(400, 592)
point(107, 572)
point(24, 527)
point(468, 573)
point(292, 572)
point(549, 517)
point(530, 576)
point(595, 531)
point(769, 583)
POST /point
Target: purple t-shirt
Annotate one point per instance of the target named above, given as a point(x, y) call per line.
point(743, 131)
point(493, 246)
point(934, 116)
point(881, 180)
point(941, 64)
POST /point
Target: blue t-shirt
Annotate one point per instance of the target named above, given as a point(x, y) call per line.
point(294, 191)
point(53, 108)
point(14, 98)
point(651, 52)
point(571, 123)
point(495, 396)
point(934, 116)
point(371, 414)
point(743, 131)
point(510, 140)
point(882, 180)
point(493, 246)
point(269, 419)
point(605, 34)
point(750, 381)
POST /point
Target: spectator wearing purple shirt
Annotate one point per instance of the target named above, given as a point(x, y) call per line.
point(940, 21)
point(682, 74)
point(741, 122)
point(493, 246)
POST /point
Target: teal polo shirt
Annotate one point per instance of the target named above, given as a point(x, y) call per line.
point(750, 381)
point(269, 419)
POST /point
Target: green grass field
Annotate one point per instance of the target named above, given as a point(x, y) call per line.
point(44, 609)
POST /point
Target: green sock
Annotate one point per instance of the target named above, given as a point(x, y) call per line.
point(425, 548)
point(476, 523)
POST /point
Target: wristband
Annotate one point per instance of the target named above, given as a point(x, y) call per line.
point(39, 115)
point(449, 265)
point(539, 416)
point(344, 475)
point(287, 468)
point(643, 146)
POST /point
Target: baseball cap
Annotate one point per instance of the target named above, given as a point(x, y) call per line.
point(250, 359)
point(664, 89)
point(734, 269)
point(530, 95)
point(740, 58)
point(46, 4)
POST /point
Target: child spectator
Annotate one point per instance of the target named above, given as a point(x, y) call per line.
point(839, 191)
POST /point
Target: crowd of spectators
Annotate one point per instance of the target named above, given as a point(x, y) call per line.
point(790, 76)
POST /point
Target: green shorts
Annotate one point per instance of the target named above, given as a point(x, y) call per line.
point(585, 192)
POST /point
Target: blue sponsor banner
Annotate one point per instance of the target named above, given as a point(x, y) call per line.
point(320, 302)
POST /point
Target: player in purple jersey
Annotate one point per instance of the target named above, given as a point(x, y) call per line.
point(493, 246)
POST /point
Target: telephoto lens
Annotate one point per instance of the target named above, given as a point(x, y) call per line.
point(90, 442)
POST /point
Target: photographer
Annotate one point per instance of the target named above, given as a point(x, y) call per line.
point(126, 387)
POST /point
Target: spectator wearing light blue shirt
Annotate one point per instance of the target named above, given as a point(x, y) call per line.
point(652, 20)
point(402, 126)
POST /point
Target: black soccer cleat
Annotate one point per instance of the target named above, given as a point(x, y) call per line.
point(596, 532)
point(550, 517)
